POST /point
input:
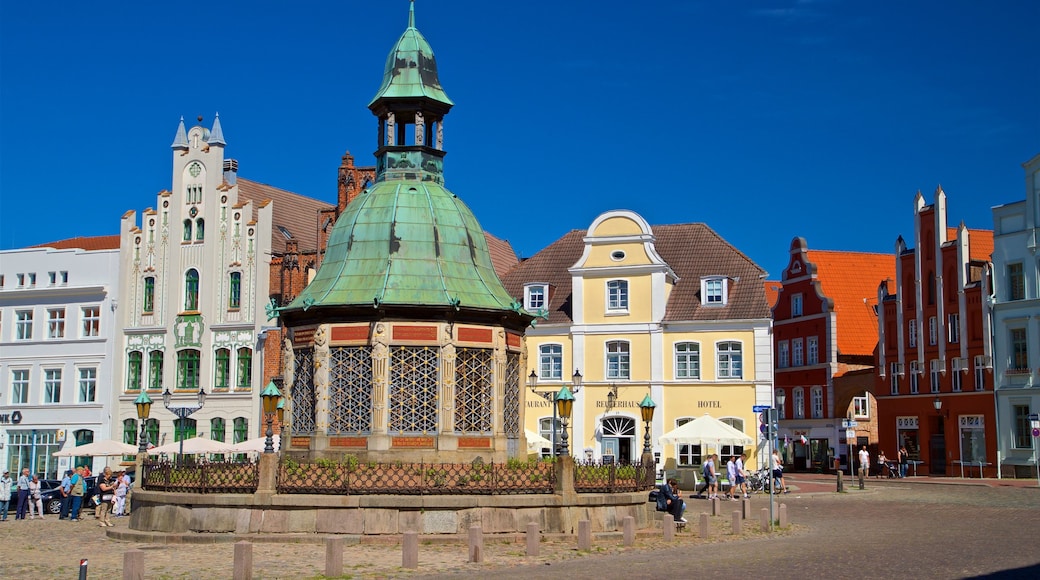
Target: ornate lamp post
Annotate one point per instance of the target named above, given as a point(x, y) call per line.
point(182, 412)
point(646, 409)
point(564, 406)
point(550, 396)
point(270, 397)
point(144, 408)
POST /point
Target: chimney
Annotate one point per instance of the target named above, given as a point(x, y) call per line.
point(230, 171)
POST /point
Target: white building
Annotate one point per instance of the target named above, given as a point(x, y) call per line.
point(57, 324)
point(1016, 325)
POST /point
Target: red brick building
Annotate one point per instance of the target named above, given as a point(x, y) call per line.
point(934, 381)
point(824, 335)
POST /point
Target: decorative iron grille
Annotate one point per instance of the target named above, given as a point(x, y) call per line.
point(350, 390)
point(594, 477)
point(511, 401)
point(352, 477)
point(413, 389)
point(218, 477)
point(303, 393)
point(474, 390)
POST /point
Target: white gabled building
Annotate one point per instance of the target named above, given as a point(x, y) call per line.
point(1016, 325)
point(57, 324)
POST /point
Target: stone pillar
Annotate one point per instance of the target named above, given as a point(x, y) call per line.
point(565, 478)
point(498, 407)
point(268, 473)
point(409, 550)
point(322, 360)
point(737, 521)
point(380, 382)
point(447, 388)
point(668, 527)
point(705, 527)
point(746, 505)
point(584, 535)
point(333, 557)
point(533, 539)
point(133, 564)
point(716, 507)
point(476, 544)
point(628, 525)
point(841, 482)
point(243, 569)
point(783, 516)
point(763, 518)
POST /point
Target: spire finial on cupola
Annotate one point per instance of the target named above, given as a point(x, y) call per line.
point(180, 140)
point(216, 134)
point(411, 14)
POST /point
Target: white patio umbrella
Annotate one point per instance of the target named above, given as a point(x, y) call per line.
point(536, 442)
point(706, 429)
point(193, 446)
point(104, 448)
point(255, 445)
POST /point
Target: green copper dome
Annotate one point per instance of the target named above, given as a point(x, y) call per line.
point(411, 70)
point(407, 243)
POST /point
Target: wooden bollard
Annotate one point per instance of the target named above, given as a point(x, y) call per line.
point(668, 527)
point(584, 535)
point(628, 526)
point(476, 544)
point(705, 527)
point(409, 550)
point(533, 539)
point(763, 517)
point(333, 557)
point(746, 505)
point(737, 519)
point(133, 564)
point(783, 516)
point(716, 507)
point(243, 561)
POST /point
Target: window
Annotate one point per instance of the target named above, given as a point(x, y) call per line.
point(935, 369)
point(91, 316)
point(245, 368)
point(21, 279)
point(550, 362)
point(687, 455)
point(894, 378)
point(796, 305)
point(799, 403)
point(235, 290)
point(1019, 359)
point(617, 360)
point(155, 369)
point(191, 290)
point(134, 360)
point(783, 357)
point(216, 429)
point(535, 297)
point(1023, 434)
point(148, 304)
point(52, 386)
point(860, 407)
point(20, 387)
point(915, 371)
point(222, 369)
point(1016, 282)
point(687, 360)
point(151, 432)
point(545, 428)
point(184, 429)
point(617, 295)
point(187, 230)
point(814, 350)
point(52, 278)
point(200, 227)
point(980, 372)
point(64, 277)
point(956, 380)
point(797, 359)
point(817, 402)
point(933, 331)
point(23, 325)
point(955, 328)
point(781, 412)
point(241, 429)
point(727, 451)
point(130, 431)
point(911, 328)
point(87, 391)
point(729, 364)
point(56, 323)
point(32, 279)
point(714, 291)
point(188, 369)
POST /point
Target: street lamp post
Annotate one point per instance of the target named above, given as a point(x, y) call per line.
point(773, 418)
point(564, 406)
point(144, 408)
point(182, 412)
point(270, 397)
point(646, 409)
point(550, 396)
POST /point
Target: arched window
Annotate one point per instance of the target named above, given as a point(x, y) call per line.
point(188, 369)
point(187, 230)
point(687, 360)
point(931, 288)
point(134, 362)
point(155, 369)
point(222, 369)
point(687, 455)
point(727, 451)
point(545, 429)
point(191, 290)
point(780, 409)
point(148, 303)
point(183, 429)
point(799, 403)
point(245, 369)
point(216, 429)
point(241, 429)
point(151, 432)
point(83, 437)
point(200, 229)
point(817, 402)
point(235, 290)
point(130, 431)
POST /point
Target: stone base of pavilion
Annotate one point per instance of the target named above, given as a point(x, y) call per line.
point(265, 514)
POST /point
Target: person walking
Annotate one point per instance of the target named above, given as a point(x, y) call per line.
point(731, 475)
point(23, 494)
point(78, 486)
point(864, 464)
point(712, 476)
point(5, 495)
point(742, 475)
point(106, 491)
point(904, 461)
point(778, 472)
point(66, 497)
point(35, 501)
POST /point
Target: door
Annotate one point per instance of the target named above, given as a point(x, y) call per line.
point(620, 431)
point(937, 454)
point(610, 449)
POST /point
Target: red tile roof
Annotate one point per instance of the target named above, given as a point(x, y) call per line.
point(851, 279)
point(84, 243)
point(298, 214)
point(772, 292)
point(502, 254)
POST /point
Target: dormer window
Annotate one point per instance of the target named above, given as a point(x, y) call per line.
point(536, 297)
point(713, 291)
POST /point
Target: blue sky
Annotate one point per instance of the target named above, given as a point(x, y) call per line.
point(764, 119)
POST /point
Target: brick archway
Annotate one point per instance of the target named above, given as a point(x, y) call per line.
point(850, 385)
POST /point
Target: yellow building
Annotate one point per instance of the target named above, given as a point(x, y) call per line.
point(671, 311)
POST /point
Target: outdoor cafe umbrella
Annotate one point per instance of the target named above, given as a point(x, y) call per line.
point(254, 445)
point(193, 446)
point(706, 429)
point(104, 448)
point(536, 442)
